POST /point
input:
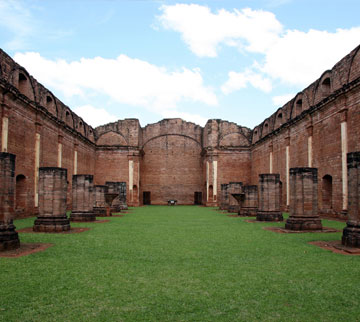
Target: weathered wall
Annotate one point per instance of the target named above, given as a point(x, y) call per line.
point(173, 159)
point(171, 164)
point(319, 126)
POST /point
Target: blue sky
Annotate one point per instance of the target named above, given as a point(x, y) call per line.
point(198, 60)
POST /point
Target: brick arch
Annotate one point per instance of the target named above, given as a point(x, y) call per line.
point(80, 126)
point(354, 69)
point(48, 100)
point(280, 118)
point(67, 117)
point(112, 138)
point(323, 87)
point(234, 139)
point(256, 134)
point(27, 88)
point(163, 135)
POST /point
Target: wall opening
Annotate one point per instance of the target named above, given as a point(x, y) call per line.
point(21, 194)
point(211, 192)
point(146, 197)
point(326, 86)
point(197, 198)
point(22, 84)
point(327, 192)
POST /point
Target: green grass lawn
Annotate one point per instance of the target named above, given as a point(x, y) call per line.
point(182, 263)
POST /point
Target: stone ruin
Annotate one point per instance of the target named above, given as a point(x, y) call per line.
point(99, 200)
point(82, 198)
point(269, 198)
point(351, 233)
point(119, 202)
point(249, 205)
point(303, 200)
point(52, 201)
point(9, 238)
point(224, 197)
point(234, 188)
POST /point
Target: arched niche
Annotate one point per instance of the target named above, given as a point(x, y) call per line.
point(24, 84)
point(111, 138)
point(233, 139)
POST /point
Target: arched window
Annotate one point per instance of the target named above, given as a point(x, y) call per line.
point(326, 86)
point(327, 192)
point(22, 84)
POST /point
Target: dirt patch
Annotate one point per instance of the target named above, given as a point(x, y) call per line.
point(282, 230)
point(336, 247)
point(234, 216)
point(25, 249)
point(73, 230)
point(99, 221)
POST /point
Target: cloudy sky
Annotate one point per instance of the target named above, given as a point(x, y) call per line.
point(198, 60)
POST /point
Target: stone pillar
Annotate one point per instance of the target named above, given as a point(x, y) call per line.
point(223, 197)
point(99, 200)
point(303, 200)
point(52, 201)
point(234, 187)
point(351, 233)
point(250, 204)
point(9, 238)
point(269, 198)
point(119, 202)
point(82, 198)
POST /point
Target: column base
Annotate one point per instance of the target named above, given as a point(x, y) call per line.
point(233, 208)
point(82, 216)
point(49, 224)
point(100, 211)
point(269, 216)
point(248, 212)
point(351, 235)
point(9, 238)
point(303, 223)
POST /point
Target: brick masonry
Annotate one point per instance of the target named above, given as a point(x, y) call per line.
point(9, 238)
point(52, 201)
point(269, 198)
point(82, 198)
point(303, 200)
point(174, 159)
point(351, 233)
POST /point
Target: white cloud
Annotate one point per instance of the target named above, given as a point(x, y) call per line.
point(294, 57)
point(299, 57)
point(17, 19)
point(124, 79)
point(282, 99)
point(94, 116)
point(239, 81)
point(203, 31)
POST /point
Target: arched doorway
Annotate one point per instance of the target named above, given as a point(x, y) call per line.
point(326, 192)
point(21, 194)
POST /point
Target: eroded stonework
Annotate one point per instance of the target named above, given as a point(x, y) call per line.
point(175, 159)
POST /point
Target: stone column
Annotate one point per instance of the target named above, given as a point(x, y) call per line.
point(269, 198)
point(223, 191)
point(250, 203)
point(99, 200)
point(351, 233)
point(82, 198)
point(114, 187)
point(303, 200)
point(52, 201)
point(9, 238)
point(122, 196)
point(234, 187)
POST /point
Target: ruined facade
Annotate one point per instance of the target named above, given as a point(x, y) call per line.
point(174, 159)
